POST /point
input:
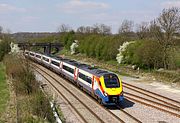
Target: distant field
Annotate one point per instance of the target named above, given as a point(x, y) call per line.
point(4, 91)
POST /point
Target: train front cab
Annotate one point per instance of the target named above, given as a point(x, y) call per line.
point(111, 91)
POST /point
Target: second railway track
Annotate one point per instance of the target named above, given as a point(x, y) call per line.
point(152, 99)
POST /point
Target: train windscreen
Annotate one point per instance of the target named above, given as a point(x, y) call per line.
point(111, 81)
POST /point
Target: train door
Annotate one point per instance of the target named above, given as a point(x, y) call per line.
point(60, 65)
point(76, 70)
point(93, 78)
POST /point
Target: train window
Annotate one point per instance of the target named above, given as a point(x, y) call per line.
point(46, 59)
point(82, 76)
point(68, 69)
point(38, 56)
point(111, 81)
point(32, 54)
point(55, 63)
point(85, 78)
point(88, 79)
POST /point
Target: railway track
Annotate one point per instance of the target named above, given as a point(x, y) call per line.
point(135, 119)
point(80, 107)
point(126, 116)
point(152, 99)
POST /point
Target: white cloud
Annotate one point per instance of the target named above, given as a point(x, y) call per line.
point(5, 8)
point(169, 4)
point(76, 6)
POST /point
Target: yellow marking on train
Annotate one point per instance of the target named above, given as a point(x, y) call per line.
point(111, 91)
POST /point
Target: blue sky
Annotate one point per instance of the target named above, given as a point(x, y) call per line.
point(47, 15)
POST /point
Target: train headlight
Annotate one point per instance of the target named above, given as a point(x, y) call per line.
point(105, 93)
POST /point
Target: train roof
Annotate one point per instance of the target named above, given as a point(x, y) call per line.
point(93, 70)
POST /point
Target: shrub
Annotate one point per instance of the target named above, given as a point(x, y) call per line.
point(23, 78)
point(41, 106)
point(122, 49)
point(27, 88)
point(99, 46)
point(144, 53)
point(67, 39)
point(4, 46)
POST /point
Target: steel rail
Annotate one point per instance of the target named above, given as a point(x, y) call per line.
point(124, 83)
point(150, 105)
point(144, 93)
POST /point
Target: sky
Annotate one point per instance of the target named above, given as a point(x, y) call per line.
point(47, 15)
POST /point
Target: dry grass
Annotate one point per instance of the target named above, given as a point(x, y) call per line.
point(32, 104)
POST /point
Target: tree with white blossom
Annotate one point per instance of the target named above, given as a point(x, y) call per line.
point(74, 46)
point(121, 49)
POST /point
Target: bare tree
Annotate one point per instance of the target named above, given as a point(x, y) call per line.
point(164, 29)
point(64, 28)
point(95, 29)
point(1, 32)
point(126, 27)
point(1, 29)
point(104, 29)
point(101, 29)
point(142, 30)
point(88, 29)
point(81, 29)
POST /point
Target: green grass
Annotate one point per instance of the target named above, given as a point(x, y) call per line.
point(64, 52)
point(4, 91)
point(177, 60)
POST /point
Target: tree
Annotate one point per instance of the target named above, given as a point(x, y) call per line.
point(68, 39)
point(164, 29)
point(88, 29)
point(126, 27)
point(64, 28)
point(1, 32)
point(4, 46)
point(104, 29)
point(81, 29)
point(96, 29)
point(1, 29)
point(142, 30)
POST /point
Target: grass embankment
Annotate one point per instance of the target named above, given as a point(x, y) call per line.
point(4, 91)
point(31, 104)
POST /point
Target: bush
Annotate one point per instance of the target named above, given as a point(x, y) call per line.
point(177, 57)
point(41, 106)
point(145, 54)
point(99, 46)
point(67, 39)
point(27, 88)
point(23, 78)
point(4, 46)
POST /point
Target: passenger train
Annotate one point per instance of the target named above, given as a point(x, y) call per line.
point(104, 86)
